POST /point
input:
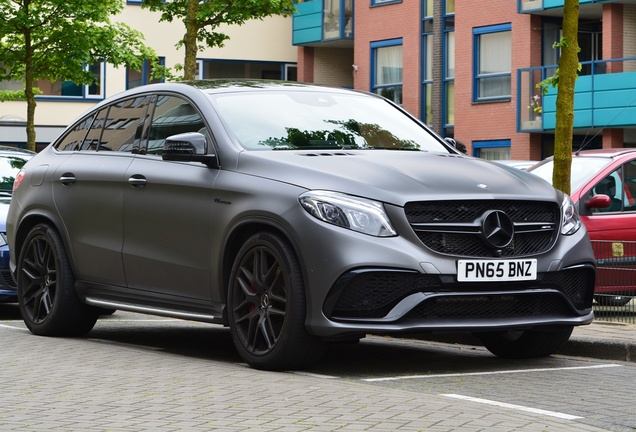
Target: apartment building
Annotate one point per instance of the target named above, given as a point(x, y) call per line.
point(258, 49)
point(469, 69)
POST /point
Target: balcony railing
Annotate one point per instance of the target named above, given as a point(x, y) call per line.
point(534, 5)
point(604, 96)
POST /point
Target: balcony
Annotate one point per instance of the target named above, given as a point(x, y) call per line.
point(604, 96)
point(323, 23)
point(526, 6)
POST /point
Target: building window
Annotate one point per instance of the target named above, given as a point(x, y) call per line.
point(138, 78)
point(69, 89)
point(492, 150)
point(492, 63)
point(427, 67)
point(386, 77)
point(207, 69)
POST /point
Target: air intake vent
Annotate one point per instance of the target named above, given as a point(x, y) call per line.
point(327, 154)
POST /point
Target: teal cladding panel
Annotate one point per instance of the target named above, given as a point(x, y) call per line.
point(607, 100)
point(551, 4)
point(307, 23)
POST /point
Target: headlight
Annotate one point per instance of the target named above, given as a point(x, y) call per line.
point(357, 214)
point(3, 239)
point(571, 220)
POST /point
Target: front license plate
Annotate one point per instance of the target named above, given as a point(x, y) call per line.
point(496, 270)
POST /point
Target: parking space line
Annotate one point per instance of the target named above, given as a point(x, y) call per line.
point(513, 406)
point(14, 327)
point(410, 377)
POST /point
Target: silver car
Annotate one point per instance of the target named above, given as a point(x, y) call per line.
point(296, 215)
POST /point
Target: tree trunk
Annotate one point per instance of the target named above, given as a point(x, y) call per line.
point(190, 41)
point(29, 93)
point(568, 72)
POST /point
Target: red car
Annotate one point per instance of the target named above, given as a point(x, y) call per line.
point(604, 190)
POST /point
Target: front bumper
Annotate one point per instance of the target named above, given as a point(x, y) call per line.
point(397, 285)
point(389, 300)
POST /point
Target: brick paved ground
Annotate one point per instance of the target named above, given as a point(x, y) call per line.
point(92, 385)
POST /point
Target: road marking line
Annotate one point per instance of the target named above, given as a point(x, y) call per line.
point(315, 375)
point(407, 377)
point(516, 407)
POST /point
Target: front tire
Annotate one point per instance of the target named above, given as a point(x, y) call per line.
point(46, 287)
point(525, 344)
point(266, 306)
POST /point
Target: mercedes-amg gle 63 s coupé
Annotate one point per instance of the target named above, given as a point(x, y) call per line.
point(297, 216)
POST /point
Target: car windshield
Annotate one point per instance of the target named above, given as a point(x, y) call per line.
point(583, 169)
point(310, 120)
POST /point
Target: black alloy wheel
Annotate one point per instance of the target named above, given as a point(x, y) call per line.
point(46, 293)
point(266, 306)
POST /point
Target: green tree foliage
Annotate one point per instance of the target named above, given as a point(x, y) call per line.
point(202, 19)
point(56, 39)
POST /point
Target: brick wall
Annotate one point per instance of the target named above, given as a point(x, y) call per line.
point(333, 67)
point(390, 21)
point(629, 35)
point(493, 120)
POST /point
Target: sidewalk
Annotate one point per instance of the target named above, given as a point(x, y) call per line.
point(603, 340)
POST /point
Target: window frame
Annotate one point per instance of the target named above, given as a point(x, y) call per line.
point(85, 89)
point(384, 2)
point(374, 46)
point(478, 32)
point(479, 145)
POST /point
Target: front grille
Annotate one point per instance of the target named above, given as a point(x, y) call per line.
point(373, 294)
point(455, 227)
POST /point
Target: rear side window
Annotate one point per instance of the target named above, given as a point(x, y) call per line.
point(173, 115)
point(117, 127)
point(124, 125)
point(75, 137)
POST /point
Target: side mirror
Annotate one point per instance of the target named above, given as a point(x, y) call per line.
point(456, 145)
point(598, 201)
point(188, 147)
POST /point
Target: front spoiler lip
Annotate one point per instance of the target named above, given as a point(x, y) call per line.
point(334, 328)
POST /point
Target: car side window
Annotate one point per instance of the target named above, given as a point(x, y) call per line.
point(629, 182)
point(612, 186)
point(123, 126)
point(91, 142)
point(172, 115)
point(74, 139)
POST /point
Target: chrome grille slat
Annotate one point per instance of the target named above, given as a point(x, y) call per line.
point(454, 227)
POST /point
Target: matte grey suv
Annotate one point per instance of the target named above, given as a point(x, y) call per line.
point(297, 216)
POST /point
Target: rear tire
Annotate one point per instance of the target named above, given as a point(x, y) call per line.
point(525, 344)
point(266, 307)
point(612, 300)
point(46, 287)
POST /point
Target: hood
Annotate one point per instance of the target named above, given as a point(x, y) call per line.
point(397, 177)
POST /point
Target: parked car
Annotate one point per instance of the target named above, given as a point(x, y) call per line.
point(296, 215)
point(603, 185)
point(12, 159)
